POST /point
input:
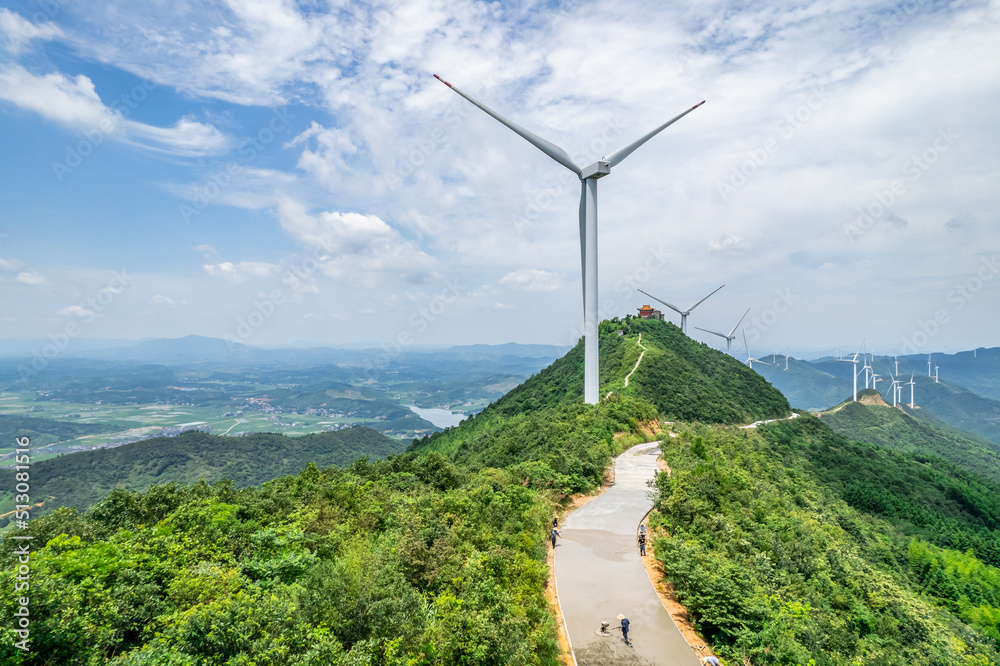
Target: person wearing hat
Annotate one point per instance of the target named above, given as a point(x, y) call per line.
point(624, 629)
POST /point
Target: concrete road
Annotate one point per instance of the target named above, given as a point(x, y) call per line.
point(599, 574)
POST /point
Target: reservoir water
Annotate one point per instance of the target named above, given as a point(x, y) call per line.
point(442, 418)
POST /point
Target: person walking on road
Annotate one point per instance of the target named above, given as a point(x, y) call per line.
point(624, 629)
point(712, 660)
point(555, 533)
point(642, 544)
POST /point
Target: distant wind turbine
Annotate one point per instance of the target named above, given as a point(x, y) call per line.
point(936, 368)
point(854, 361)
point(588, 224)
point(928, 365)
point(683, 313)
point(911, 383)
point(729, 338)
point(750, 359)
point(895, 390)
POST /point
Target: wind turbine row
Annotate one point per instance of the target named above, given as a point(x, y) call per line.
point(589, 175)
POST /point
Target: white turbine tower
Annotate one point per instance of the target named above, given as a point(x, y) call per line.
point(895, 390)
point(729, 338)
point(867, 369)
point(854, 361)
point(683, 313)
point(588, 224)
point(936, 368)
point(928, 365)
point(750, 359)
point(911, 383)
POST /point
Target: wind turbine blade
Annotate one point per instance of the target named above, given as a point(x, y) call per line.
point(702, 300)
point(550, 149)
point(620, 154)
point(737, 323)
point(583, 243)
point(855, 358)
point(745, 345)
point(672, 307)
point(721, 335)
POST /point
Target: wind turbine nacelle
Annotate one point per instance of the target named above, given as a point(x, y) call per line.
point(598, 169)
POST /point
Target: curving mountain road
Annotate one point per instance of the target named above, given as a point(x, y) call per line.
point(599, 574)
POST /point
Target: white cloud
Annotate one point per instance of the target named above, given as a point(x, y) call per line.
point(30, 277)
point(77, 311)
point(328, 162)
point(728, 243)
point(187, 137)
point(241, 271)
point(532, 279)
point(360, 248)
point(160, 299)
point(74, 102)
point(10, 265)
point(18, 32)
point(65, 100)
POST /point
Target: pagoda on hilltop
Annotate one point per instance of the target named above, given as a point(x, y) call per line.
point(648, 312)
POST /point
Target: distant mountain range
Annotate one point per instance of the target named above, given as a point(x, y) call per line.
point(194, 348)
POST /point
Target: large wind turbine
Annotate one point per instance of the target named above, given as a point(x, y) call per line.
point(854, 360)
point(588, 224)
point(750, 359)
point(684, 313)
point(911, 383)
point(729, 338)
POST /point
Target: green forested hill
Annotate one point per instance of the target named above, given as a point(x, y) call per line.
point(788, 543)
point(543, 424)
point(792, 545)
point(898, 429)
point(82, 479)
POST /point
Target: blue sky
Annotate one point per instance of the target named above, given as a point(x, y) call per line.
point(274, 171)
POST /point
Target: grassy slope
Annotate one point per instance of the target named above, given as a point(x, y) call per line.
point(897, 429)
